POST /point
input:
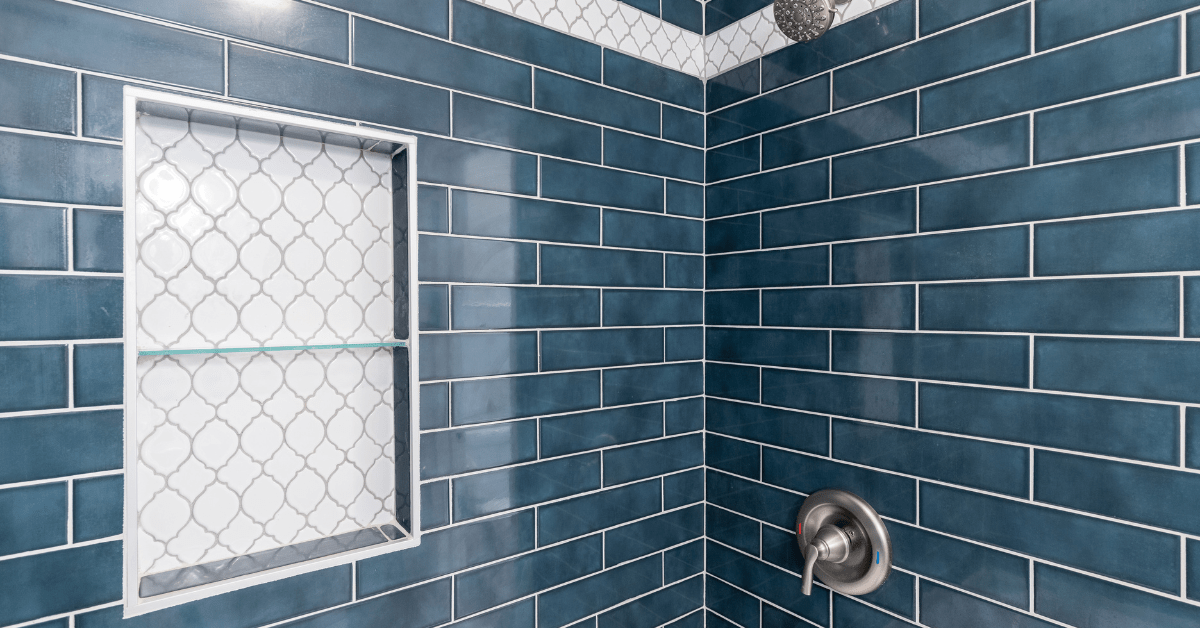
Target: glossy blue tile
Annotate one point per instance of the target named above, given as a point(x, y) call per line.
point(1192, 45)
point(495, 307)
point(33, 378)
point(657, 608)
point(497, 216)
point(651, 156)
point(55, 307)
point(33, 517)
point(738, 233)
point(1060, 21)
point(732, 86)
point(1192, 439)
point(1131, 244)
point(435, 307)
point(448, 356)
point(519, 615)
point(435, 505)
point(56, 445)
point(1123, 429)
point(652, 535)
point(98, 375)
point(732, 160)
point(594, 103)
point(878, 123)
point(974, 150)
point(435, 405)
point(420, 607)
point(653, 81)
point(494, 123)
point(790, 186)
point(494, 491)
point(476, 448)
point(684, 271)
point(1054, 535)
point(1191, 307)
point(648, 6)
point(102, 111)
point(885, 214)
point(772, 110)
point(1103, 125)
point(793, 430)
point(650, 383)
point(98, 241)
point(37, 97)
point(772, 584)
point(891, 495)
point(989, 41)
point(59, 170)
point(1159, 497)
point(849, 613)
point(712, 620)
point(875, 307)
point(637, 230)
point(794, 267)
point(470, 165)
point(447, 551)
point(683, 562)
point(289, 25)
point(317, 87)
point(1149, 369)
point(1134, 57)
point(564, 605)
point(1113, 184)
point(575, 266)
point(496, 584)
point(942, 606)
point(732, 456)
point(1193, 567)
point(982, 254)
point(97, 508)
point(682, 489)
point(581, 183)
point(565, 350)
point(684, 416)
point(721, 13)
point(1078, 599)
point(480, 401)
point(653, 307)
point(110, 43)
point(59, 582)
point(978, 359)
point(731, 308)
point(965, 462)
point(753, 499)
point(32, 238)
point(634, 462)
point(428, 17)
point(732, 603)
point(939, 14)
point(880, 29)
point(481, 27)
point(574, 433)
point(685, 343)
point(476, 261)
point(1192, 168)
point(686, 14)
point(732, 382)
point(732, 529)
point(871, 398)
point(975, 568)
point(681, 125)
point(770, 347)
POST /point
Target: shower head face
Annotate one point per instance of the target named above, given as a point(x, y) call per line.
point(804, 20)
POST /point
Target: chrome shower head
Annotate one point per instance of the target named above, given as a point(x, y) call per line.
point(804, 20)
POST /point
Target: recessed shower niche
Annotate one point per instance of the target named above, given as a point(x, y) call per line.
point(270, 309)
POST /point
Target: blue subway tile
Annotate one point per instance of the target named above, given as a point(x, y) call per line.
point(635, 462)
point(497, 216)
point(807, 349)
point(737, 233)
point(974, 150)
point(653, 81)
point(1128, 244)
point(681, 125)
point(771, 110)
point(685, 343)
point(33, 238)
point(942, 606)
point(33, 517)
point(476, 261)
point(794, 267)
point(435, 505)
point(82, 38)
point(424, 606)
point(97, 508)
point(939, 14)
point(1134, 57)
point(684, 416)
point(983, 254)
point(59, 582)
point(686, 14)
point(871, 398)
point(1192, 46)
point(890, 213)
point(753, 499)
point(574, 433)
point(874, 307)
point(682, 489)
point(732, 86)
point(1149, 369)
point(849, 613)
point(481, 27)
point(582, 183)
point(494, 123)
point(59, 170)
point(684, 271)
point(637, 230)
point(652, 535)
point(98, 241)
point(99, 375)
point(1192, 167)
point(657, 608)
point(878, 123)
point(643, 154)
point(1120, 551)
point(712, 620)
point(435, 405)
point(564, 605)
point(103, 115)
point(433, 209)
point(772, 584)
point(480, 401)
point(979, 359)
point(496, 584)
point(1076, 599)
point(428, 17)
point(565, 350)
point(782, 428)
point(505, 489)
point(54, 307)
point(891, 495)
point(1193, 568)
point(1123, 429)
point(57, 445)
point(721, 13)
point(1191, 307)
point(732, 529)
point(992, 40)
point(653, 307)
point(495, 307)
point(318, 87)
point(435, 307)
point(470, 165)
point(731, 308)
point(469, 449)
point(1113, 184)
point(732, 603)
point(594, 103)
point(732, 456)
point(732, 382)
point(975, 568)
point(732, 160)
point(37, 97)
point(519, 615)
point(33, 378)
point(407, 54)
point(1060, 21)
point(648, 6)
point(965, 462)
point(789, 186)
point(683, 562)
point(898, 593)
point(650, 383)
point(448, 356)
point(1104, 125)
point(575, 266)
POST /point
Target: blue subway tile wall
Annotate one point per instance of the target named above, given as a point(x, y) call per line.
point(980, 215)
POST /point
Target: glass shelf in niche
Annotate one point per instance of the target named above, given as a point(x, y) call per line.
point(394, 343)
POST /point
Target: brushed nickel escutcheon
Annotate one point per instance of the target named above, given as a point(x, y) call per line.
point(845, 543)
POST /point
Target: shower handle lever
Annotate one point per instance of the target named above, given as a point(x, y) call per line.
point(831, 544)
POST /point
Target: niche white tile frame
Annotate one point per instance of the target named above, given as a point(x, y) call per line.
point(133, 604)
